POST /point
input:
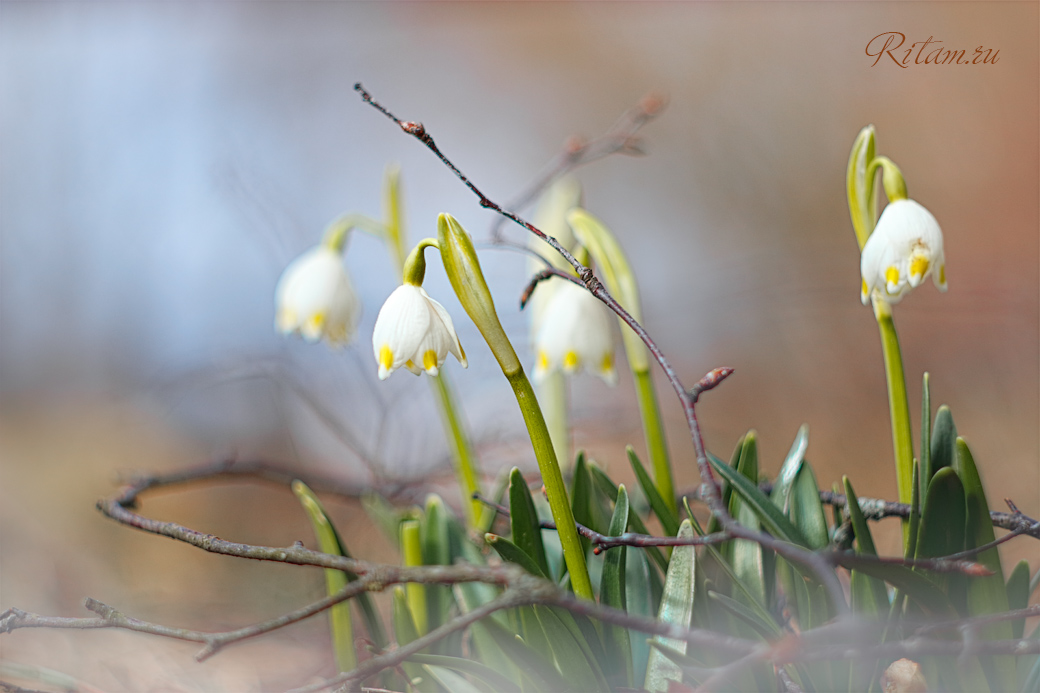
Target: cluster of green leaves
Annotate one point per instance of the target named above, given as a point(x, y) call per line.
point(736, 588)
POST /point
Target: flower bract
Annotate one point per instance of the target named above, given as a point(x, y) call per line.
point(905, 247)
point(414, 331)
point(575, 333)
point(315, 298)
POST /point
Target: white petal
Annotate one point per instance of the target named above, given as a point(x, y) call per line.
point(576, 333)
point(440, 315)
point(400, 327)
point(314, 296)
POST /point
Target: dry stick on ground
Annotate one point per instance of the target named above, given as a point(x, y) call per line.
point(687, 398)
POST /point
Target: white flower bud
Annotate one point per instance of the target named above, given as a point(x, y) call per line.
point(905, 247)
point(314, 298)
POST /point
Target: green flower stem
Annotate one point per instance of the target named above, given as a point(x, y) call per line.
point(336, 233)
point(555, 491)
point(552, 395)
point(467, 279)
point(461, 449)
point(653, 430)
point(897, 401)
point(463, 458)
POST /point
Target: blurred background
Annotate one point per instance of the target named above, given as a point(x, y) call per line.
point(160, 164)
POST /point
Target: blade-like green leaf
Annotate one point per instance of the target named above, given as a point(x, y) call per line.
point(806, 510)
point(677, 608)
point(773, 521)
point(523, 520)
point(405, 632)
point(913, 527)
point(767, 628)
point(449, 680)
point(635, 523)
point(926, 435)
point(669, 520)
point(571, 653)
point(942, 449)
point(746, 555)
point(511, 553)
point(612, 593)
point(435, 537)
point(335, 580)
point(468, 666)
point(986, 595)
point(789, 470)
point(1018, 595)
point(531, 664)
point(869, 595)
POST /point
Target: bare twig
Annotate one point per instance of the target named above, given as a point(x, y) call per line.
point(619, 139)
point(547, 273)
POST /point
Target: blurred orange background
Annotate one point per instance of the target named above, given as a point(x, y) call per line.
point(163, 162)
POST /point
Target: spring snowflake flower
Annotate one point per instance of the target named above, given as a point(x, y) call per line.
point(414, 329)
point(315, 298)
point(906, 246)
point(575, 333)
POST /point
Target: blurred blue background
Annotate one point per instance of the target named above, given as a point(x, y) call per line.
point(161, 163)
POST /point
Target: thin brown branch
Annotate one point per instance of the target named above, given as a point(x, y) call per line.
point(710, 486)
point(547, 273)
point(619, 139)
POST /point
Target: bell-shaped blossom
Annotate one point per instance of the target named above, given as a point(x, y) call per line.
point(575, 333)
point(905, 247)
point(315, 298)
point(414, 331)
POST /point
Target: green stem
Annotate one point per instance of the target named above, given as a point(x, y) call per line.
point(898, 403)
point(555, 491)
point(552, 396)
point(653, 430)
point(461, 449)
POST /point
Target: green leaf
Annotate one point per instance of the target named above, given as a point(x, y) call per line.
point(449, 680)
point(612, 593)
point(790, 468)
point(635, 523)
point(669, 520)
point(919, 588)
point(774, 521)
point(570, 651)
point(524, 522)
point(531, 664)
point(747, 596)
point(986, 595)
point(335, 580)
point(926, 435)
point(869, 595)
point(1018, 595)
point(435, 538)
point(511, 553)
point(676, 608)
point(942, 449)
point(806, 510)
point(941, 531)
point(405, 632)
point(746, 555)
point(468, 666)
point(913, 526)
point(767, 628)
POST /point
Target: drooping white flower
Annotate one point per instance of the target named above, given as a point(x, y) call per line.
point(905, 247)
point(414, 331)
point(575, 333)
point(315, 298)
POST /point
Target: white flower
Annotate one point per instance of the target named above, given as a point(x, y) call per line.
point(906, 246)
point(414, 329)
point(315, 298)
point(575, 333)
